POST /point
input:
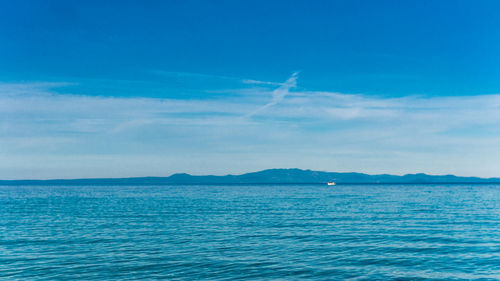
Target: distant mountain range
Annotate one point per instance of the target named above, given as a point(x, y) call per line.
point(271, 176)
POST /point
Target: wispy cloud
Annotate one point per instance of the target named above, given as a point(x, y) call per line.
point(211, 76)
point(278, 94)
point(309, 129)
point(257, 82)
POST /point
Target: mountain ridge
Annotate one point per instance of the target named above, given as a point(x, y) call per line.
point(268, 176)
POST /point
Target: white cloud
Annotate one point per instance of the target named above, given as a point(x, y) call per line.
point(278, 94)
point(211, 76)
point(305, 129)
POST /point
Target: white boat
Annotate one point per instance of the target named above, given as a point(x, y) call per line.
point(331, 183)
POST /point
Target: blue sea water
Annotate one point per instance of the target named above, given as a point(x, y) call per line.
point(252, 232)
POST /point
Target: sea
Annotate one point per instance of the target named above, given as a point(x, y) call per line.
point(250, 232)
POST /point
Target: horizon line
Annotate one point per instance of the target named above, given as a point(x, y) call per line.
point(240, 174)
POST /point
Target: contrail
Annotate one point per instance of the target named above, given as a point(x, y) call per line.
point(278, 94)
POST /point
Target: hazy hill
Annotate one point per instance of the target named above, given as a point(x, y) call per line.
point(272, 176)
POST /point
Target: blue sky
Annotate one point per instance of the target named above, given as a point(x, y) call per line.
point(126, 88)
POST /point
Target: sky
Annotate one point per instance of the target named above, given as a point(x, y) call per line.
point(152, 88)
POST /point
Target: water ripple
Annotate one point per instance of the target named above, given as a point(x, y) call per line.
point(254, 232)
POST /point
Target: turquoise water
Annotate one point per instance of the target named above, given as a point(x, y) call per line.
point(308, 232)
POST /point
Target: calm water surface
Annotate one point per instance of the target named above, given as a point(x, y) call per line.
point(372, 232)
